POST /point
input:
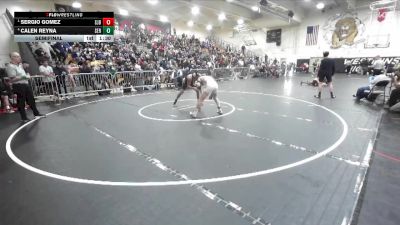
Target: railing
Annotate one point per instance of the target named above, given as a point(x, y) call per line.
point(44, 88)
point(55, 88)
point(10, 18)
point(139, 80)
point(208, 72)
point(241, 72)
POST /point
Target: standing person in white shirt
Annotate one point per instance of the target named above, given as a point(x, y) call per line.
point(49, 77)
point(378, 65)
point(21, 86)
point(209, 88)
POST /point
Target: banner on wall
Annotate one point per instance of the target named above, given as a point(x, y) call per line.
point(340, 63)
point(356, 62)
point(344, 30)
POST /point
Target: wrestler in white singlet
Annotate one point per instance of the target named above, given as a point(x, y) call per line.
point(209, 88)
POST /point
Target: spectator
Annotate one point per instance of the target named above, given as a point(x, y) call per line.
point(315, 65)
point(85, 77)
point(49, 77)
point(60, 73)
point(364, 66)
point(347, 65)
point(363, 92)
point(5, 92)
point(378, 65)
point(394, 98)
point(21, 87)
point(396, 67)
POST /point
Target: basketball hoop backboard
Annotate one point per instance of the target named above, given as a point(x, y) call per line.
point(377, 41)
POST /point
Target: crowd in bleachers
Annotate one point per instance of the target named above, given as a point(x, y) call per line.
point(141, 49)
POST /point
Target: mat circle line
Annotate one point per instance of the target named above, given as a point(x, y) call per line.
point(140, 112)
point(185, 182)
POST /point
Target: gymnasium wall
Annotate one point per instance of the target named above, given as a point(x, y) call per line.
point(182, 28)
point(293, 44)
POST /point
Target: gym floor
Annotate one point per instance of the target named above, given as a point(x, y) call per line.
point(276, 156)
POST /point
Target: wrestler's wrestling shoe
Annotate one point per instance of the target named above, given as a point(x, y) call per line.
point(220, 111)
point(193, 115)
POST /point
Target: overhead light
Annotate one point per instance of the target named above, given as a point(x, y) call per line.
point(221, 16)
point(229, 0)
point(209, 27)
point(240, 21)
point(76, 5)
point(190, 23)
point(142, 26)
point(306, 0)
point(153, 2)
point(320, 5)
point(195, 10)
point(123, 12)
point(255, 8)
point(163, 18)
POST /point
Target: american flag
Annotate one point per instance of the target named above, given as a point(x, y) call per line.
point(312, 35)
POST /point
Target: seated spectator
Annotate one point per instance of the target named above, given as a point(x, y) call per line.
point(5, 92)
point(394, 99)
point(363, 92)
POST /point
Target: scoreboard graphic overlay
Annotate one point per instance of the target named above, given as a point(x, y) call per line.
point(64, 26)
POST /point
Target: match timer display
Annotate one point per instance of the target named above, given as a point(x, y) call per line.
point(64, 27)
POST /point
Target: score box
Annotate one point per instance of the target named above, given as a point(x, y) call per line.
point(109, 22)
point(108, 30)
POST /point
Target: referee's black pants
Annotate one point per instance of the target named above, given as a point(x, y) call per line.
point(25, 94)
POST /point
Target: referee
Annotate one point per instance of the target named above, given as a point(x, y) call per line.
point(326, 71)
point(21, 87)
